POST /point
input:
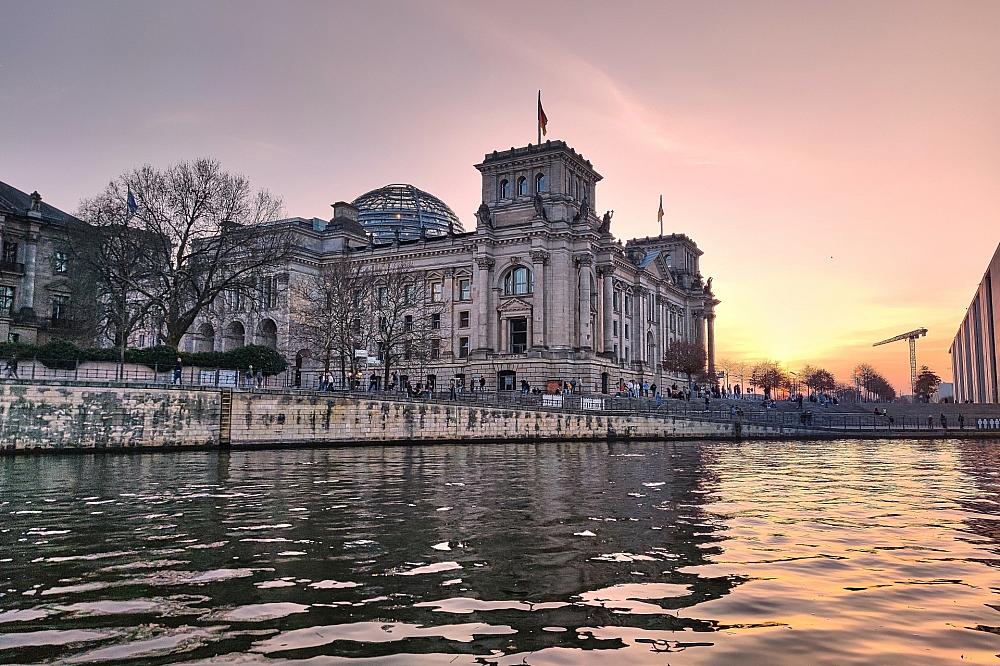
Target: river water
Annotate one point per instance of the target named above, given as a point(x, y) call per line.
point(647, 553)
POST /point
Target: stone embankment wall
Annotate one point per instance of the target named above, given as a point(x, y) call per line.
point(62, 417)
point(264, 419)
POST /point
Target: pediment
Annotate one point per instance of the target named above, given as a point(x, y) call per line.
point(514, 306)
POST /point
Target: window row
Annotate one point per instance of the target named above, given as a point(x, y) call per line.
point(523, 186)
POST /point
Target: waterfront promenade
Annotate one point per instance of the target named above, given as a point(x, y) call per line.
point(67, 416)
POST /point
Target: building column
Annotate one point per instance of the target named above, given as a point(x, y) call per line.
point(539, 258)
point(710, 319)
point(584, 261)
point(561, 303)
point(608, 310)
point(483, 297)
point(28, 282)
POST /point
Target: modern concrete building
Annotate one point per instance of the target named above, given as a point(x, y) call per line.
point(36, 269)
point(974, 349)
point(541, 290)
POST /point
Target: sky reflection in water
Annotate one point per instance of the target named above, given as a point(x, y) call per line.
point(714, 553)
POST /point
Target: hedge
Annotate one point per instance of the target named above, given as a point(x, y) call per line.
point(64, 355)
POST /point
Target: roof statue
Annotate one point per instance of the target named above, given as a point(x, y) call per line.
point(483, 216)
point(606, 222)
point(540, 207)
point(584, 210)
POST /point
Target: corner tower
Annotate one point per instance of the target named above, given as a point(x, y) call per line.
point(563, 180)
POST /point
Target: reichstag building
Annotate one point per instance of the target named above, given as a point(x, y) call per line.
point(540, 291)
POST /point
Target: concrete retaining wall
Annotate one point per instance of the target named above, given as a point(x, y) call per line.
point(262, 419)
point(58, 417)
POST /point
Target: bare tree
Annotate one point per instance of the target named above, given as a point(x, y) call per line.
point(406, 312)
point(119, 264)
point(209, 233)
point(685, 356)
point(332, 313)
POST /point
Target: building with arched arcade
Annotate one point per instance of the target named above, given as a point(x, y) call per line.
point(541, 290)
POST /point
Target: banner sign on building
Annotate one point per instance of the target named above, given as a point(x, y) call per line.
point(593, 404)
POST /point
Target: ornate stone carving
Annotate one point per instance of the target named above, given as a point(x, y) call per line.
point(584, 259)
point(539, 257)
point(486, 263)
point(484, 217)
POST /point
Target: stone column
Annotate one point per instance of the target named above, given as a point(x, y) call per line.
point(608, 309)
point(539, 258)
point(483, 295)
point(28, 282)
point(710, 319)
point(584, 261)
point(560, 301)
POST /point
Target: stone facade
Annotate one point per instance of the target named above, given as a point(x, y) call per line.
point(541, 291)
point(36, 268)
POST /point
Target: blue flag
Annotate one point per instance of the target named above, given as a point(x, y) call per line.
point(132, 205)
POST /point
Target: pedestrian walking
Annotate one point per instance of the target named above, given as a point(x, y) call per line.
point(944, 421)
point(482, 384)
point(452, 395)
point(259, 378)
point(930, 422)
point(178, 368)
point(12, 367)
point(961, 422)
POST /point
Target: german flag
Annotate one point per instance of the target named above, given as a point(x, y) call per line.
point(542, 118)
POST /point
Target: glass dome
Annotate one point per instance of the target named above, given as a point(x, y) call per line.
point(407, 209)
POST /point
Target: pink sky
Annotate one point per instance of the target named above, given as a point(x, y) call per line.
point(837, 162)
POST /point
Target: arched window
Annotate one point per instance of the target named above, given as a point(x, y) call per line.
point(541, 184)
point(522, 187)
point(504, 189)
point(517, 282)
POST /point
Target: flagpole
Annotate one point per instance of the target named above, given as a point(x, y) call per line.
point(538, 122)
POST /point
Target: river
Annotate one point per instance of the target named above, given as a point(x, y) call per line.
point(882, 552)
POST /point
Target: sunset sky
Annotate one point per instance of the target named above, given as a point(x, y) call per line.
point(839, 163)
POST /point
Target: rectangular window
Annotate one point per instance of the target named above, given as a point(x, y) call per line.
point(383, 296)
point(60, 261)
point(9, 252)
point(465, 289)
point(410, 294)
point(407, 349)
point(6, 299)
point(60, 307)
point(407, 323)
point(463, 347)
point(518, 333)
point(626, 331)
point(614, 326)
point(437, 290)
point(616, 300)
point(616, 352)
point(435, 350)
point(269, 292)
point(628, 306)
point(436, 321)
point(463, 319)
point(356, 326)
